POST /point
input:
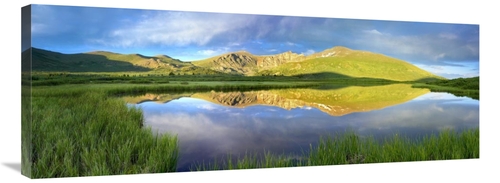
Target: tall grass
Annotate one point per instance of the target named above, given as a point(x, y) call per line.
point(468, 87)
point(26, 130)
point(349, 148)
point(251, 161)
point(93, 134)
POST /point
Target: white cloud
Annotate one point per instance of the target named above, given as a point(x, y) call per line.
point(373, 31)
point(177, 28)
point(234, 44)
point(45, 20)
point(439, 56)
point(38, 28)
point(436, 67)
point(448, 36)
point(472, 49)
point(306, 107)
point(207, 107)
point(257, 42)
point(451, 71)
point(211, 52)
point(206, 52)
point(308, 52)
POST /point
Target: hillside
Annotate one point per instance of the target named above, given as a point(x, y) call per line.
point(331, 63)
point(241, 62)
point(245, 63)
point(341, 61)
point(103, 61)
point(43, 60)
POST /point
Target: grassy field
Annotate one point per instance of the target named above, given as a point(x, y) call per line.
point(349, 148)
point(468, 87)
point(79, 127)
point(62, 78)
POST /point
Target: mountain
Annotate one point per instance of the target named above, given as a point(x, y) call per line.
point(244, 63)
point(334, 62)
point(240, 62)
point(103, 61)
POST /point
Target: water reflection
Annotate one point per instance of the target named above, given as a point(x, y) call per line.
point(213, 124)
point(336, 102)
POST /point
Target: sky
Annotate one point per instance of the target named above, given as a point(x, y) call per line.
point(448, 50)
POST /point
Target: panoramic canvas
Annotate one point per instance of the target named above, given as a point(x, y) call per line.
point(110, 91)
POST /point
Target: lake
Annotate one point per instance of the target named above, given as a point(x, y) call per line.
point(210, 125)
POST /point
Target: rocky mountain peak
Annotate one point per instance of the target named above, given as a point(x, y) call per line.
point(278, 59)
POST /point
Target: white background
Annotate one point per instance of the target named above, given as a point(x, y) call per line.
point(469, 12)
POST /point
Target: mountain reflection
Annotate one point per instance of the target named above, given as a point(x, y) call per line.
point(335, 102)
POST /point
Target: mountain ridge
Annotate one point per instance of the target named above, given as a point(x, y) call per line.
point(337, 60)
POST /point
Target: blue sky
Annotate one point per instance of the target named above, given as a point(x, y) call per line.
point(449, 50)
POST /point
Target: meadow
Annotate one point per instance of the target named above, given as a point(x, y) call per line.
point(77, 126)
point(468, 87)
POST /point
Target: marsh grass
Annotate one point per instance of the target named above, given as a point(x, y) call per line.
point(26, 130)
point(138, 89)
point(459, 92)
point(349, 148)
point(250, 161)
point(468, 87)
point(62, 78)
point(93, 134)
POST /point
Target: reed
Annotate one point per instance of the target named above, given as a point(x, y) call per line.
point(93, 134)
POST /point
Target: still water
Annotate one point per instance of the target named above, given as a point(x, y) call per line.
point(211, 125)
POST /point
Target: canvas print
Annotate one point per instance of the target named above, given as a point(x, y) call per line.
point(113, 91)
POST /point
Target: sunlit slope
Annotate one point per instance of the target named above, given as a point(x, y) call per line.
point(352, 63)
point(245, 63)
point(144, 61)
point(242, 63)
point(336, 102)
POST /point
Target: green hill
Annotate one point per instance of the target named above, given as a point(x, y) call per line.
point(352, 63)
